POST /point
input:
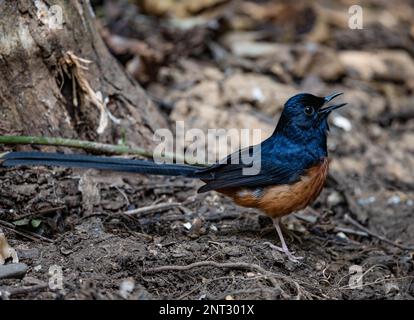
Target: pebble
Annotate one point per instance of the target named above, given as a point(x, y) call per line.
point(37, 268)
point(342, 122)
point(335, 198)
point(126, 288)
point(366, 201)
point(13, 270)
point(187, 225)
point(394, 200)
point(342, 235)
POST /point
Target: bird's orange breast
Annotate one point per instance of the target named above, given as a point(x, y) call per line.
point(280, 200)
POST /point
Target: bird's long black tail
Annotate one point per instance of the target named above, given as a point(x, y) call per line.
point(96, 162)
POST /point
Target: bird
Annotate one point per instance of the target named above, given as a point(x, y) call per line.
point(290, 166)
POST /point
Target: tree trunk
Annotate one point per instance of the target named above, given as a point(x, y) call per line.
point(48, 88)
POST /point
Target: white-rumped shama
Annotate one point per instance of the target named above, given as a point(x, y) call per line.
point(293, 164)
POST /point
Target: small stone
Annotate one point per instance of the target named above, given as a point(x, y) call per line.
point(391, 287)
point(196, 225)
point(187, 225)
point(342, 235)
point(258, 95)
point(394, 200)
point(335, 198)
point(37, 268)
point(342, 122)
point(366, 201)
point(126, 288)
point(13, 270)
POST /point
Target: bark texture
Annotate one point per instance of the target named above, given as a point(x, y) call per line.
point(45, 88)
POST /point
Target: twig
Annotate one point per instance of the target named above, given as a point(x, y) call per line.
point(11, 227)
point(351, 231)
point(226, 265)
point(93, 146)
point(40, 212)
point(377, 281)
point(356, 224)
point(27, 234)
point(22, 290)
point(153, 208)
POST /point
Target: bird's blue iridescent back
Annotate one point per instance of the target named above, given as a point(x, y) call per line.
point(297, 144)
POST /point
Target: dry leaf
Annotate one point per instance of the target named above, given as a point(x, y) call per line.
point(6, 251)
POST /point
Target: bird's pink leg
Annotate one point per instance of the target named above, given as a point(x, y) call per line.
point(284, 248)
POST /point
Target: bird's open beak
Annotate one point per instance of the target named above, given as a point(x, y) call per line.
point(327, 110)
point(332, 96)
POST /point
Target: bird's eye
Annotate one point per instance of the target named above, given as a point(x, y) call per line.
point(309, 111)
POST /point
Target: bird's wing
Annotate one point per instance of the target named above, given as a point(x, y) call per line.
point(228, 175)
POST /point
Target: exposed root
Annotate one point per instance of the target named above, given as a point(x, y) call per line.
point(271, 276)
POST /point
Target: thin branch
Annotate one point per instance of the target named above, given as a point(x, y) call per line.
point(226, 265)
point(351, 231)
point(356, 224)
point(153, 208)
point(40, 212)
point(25, 290)
point(95, 147)
point(27, 234)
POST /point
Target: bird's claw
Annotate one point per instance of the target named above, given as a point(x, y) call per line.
point(293, 258)
point(286, 251)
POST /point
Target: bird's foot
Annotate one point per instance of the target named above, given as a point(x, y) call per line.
point(286, 251)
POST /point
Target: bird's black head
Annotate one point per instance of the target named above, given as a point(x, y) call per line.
point(306, 113)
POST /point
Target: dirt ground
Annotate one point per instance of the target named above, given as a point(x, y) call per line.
point(232, 64)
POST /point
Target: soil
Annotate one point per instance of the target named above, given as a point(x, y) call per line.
point(102, 250)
